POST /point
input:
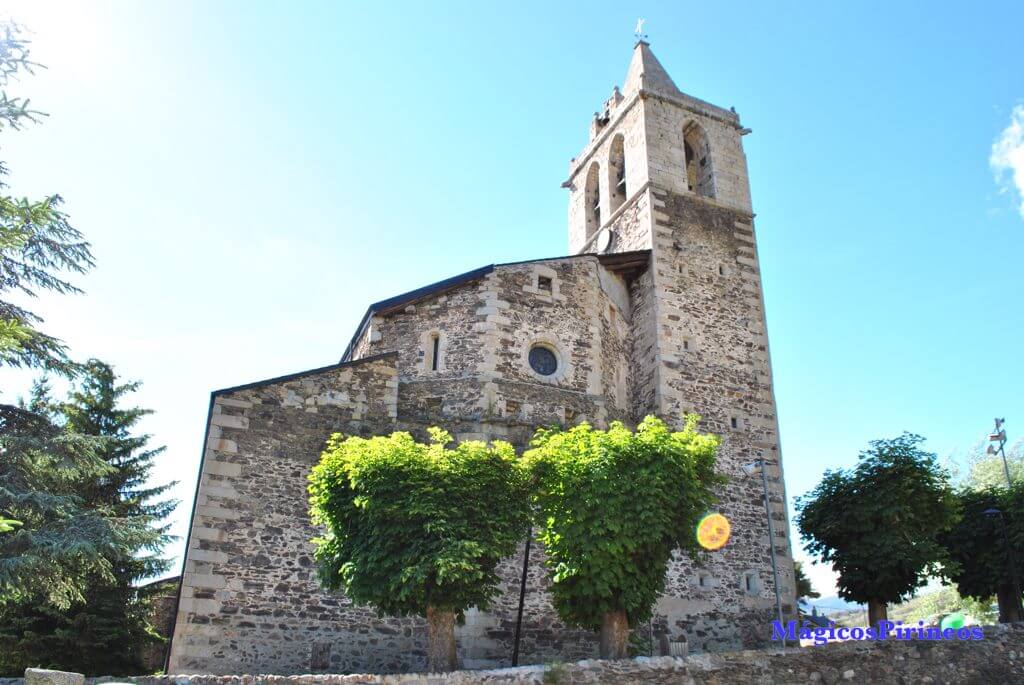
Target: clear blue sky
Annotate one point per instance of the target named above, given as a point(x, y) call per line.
point(252, 175)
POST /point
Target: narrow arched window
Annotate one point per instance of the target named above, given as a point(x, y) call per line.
point(433, 351)
point(700, 177)
point(592, 200)
point(616, 173)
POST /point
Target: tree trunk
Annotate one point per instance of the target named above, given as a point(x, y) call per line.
point(614, 635)
point(1009, 609)
point(441, 640)
point(877, 611)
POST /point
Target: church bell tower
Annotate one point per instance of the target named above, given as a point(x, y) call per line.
point(664, 171)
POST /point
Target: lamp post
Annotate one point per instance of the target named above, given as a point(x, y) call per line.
point(1015, 605)
point(750, 469)
point(999, 436)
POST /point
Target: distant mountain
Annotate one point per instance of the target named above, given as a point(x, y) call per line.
point(831, 605)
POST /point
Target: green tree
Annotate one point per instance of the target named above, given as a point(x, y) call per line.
point(879, 524)
point(36, 239)
point(418, 529)
point(106, 633)
point(803, 583)
point(988, 548)
point(611, 506)
point(987, 470)
point(59, 543)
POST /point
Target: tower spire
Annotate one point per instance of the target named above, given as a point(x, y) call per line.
point(645, 71)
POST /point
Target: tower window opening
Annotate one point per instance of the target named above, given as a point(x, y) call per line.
point(592, 200)
point(544, 284)
point(617, 173)
point(699, 169)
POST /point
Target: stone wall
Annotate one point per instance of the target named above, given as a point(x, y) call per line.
point(250, 598)
point(711, 358)
point(999, 658)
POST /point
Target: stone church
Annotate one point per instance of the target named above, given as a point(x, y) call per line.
point(657, 309)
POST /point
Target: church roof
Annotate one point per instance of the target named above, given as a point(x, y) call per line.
point(625, 263)
point(645, 71)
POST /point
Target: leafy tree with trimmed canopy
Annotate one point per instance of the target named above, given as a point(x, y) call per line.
point(611, 507)
point(879, 523)
point(418, 529)
point(985, 545)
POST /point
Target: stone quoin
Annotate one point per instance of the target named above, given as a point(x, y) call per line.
point(659, 309)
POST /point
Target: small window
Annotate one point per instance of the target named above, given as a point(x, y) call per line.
point(750, 583)
point(544, 284)
point(432, 352)
point(617, 173)
point(543, 360)
point(592, 200)
point(704, 580)
point(734, 423)
point(686, 344)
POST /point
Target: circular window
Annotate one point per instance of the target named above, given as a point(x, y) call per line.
point(543, 360)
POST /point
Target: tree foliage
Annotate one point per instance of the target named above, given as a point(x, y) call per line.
point(36, 239)
point(611, 506)
point(879, 524)
point(106, 632)
point(60, 543)
point(803, 583)
point(413, 528)
point(983, 545)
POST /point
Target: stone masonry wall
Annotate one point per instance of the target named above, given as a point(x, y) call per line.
point(712, 359)
point(250, 599)
point(249, 595)
point(998, 658)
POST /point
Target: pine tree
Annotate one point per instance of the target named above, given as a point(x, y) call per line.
point(107, 633)
point(49, 544)
point(58, 543)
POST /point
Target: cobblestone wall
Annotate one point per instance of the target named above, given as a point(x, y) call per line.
point(999, 658)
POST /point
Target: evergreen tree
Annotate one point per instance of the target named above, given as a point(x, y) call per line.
point(59, 543)
point(105, 634)
point(54, 543)
point(803, 583)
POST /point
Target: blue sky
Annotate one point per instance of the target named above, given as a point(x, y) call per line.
point(253, 174)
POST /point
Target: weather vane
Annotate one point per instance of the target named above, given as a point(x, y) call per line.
point(639, 31)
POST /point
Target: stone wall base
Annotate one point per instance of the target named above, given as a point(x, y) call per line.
point(999, 658)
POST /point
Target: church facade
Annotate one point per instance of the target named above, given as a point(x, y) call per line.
point(658, 309)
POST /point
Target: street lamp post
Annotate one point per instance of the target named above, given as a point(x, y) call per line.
point(999, 436)
point(749, 469)
point(1012, 557)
